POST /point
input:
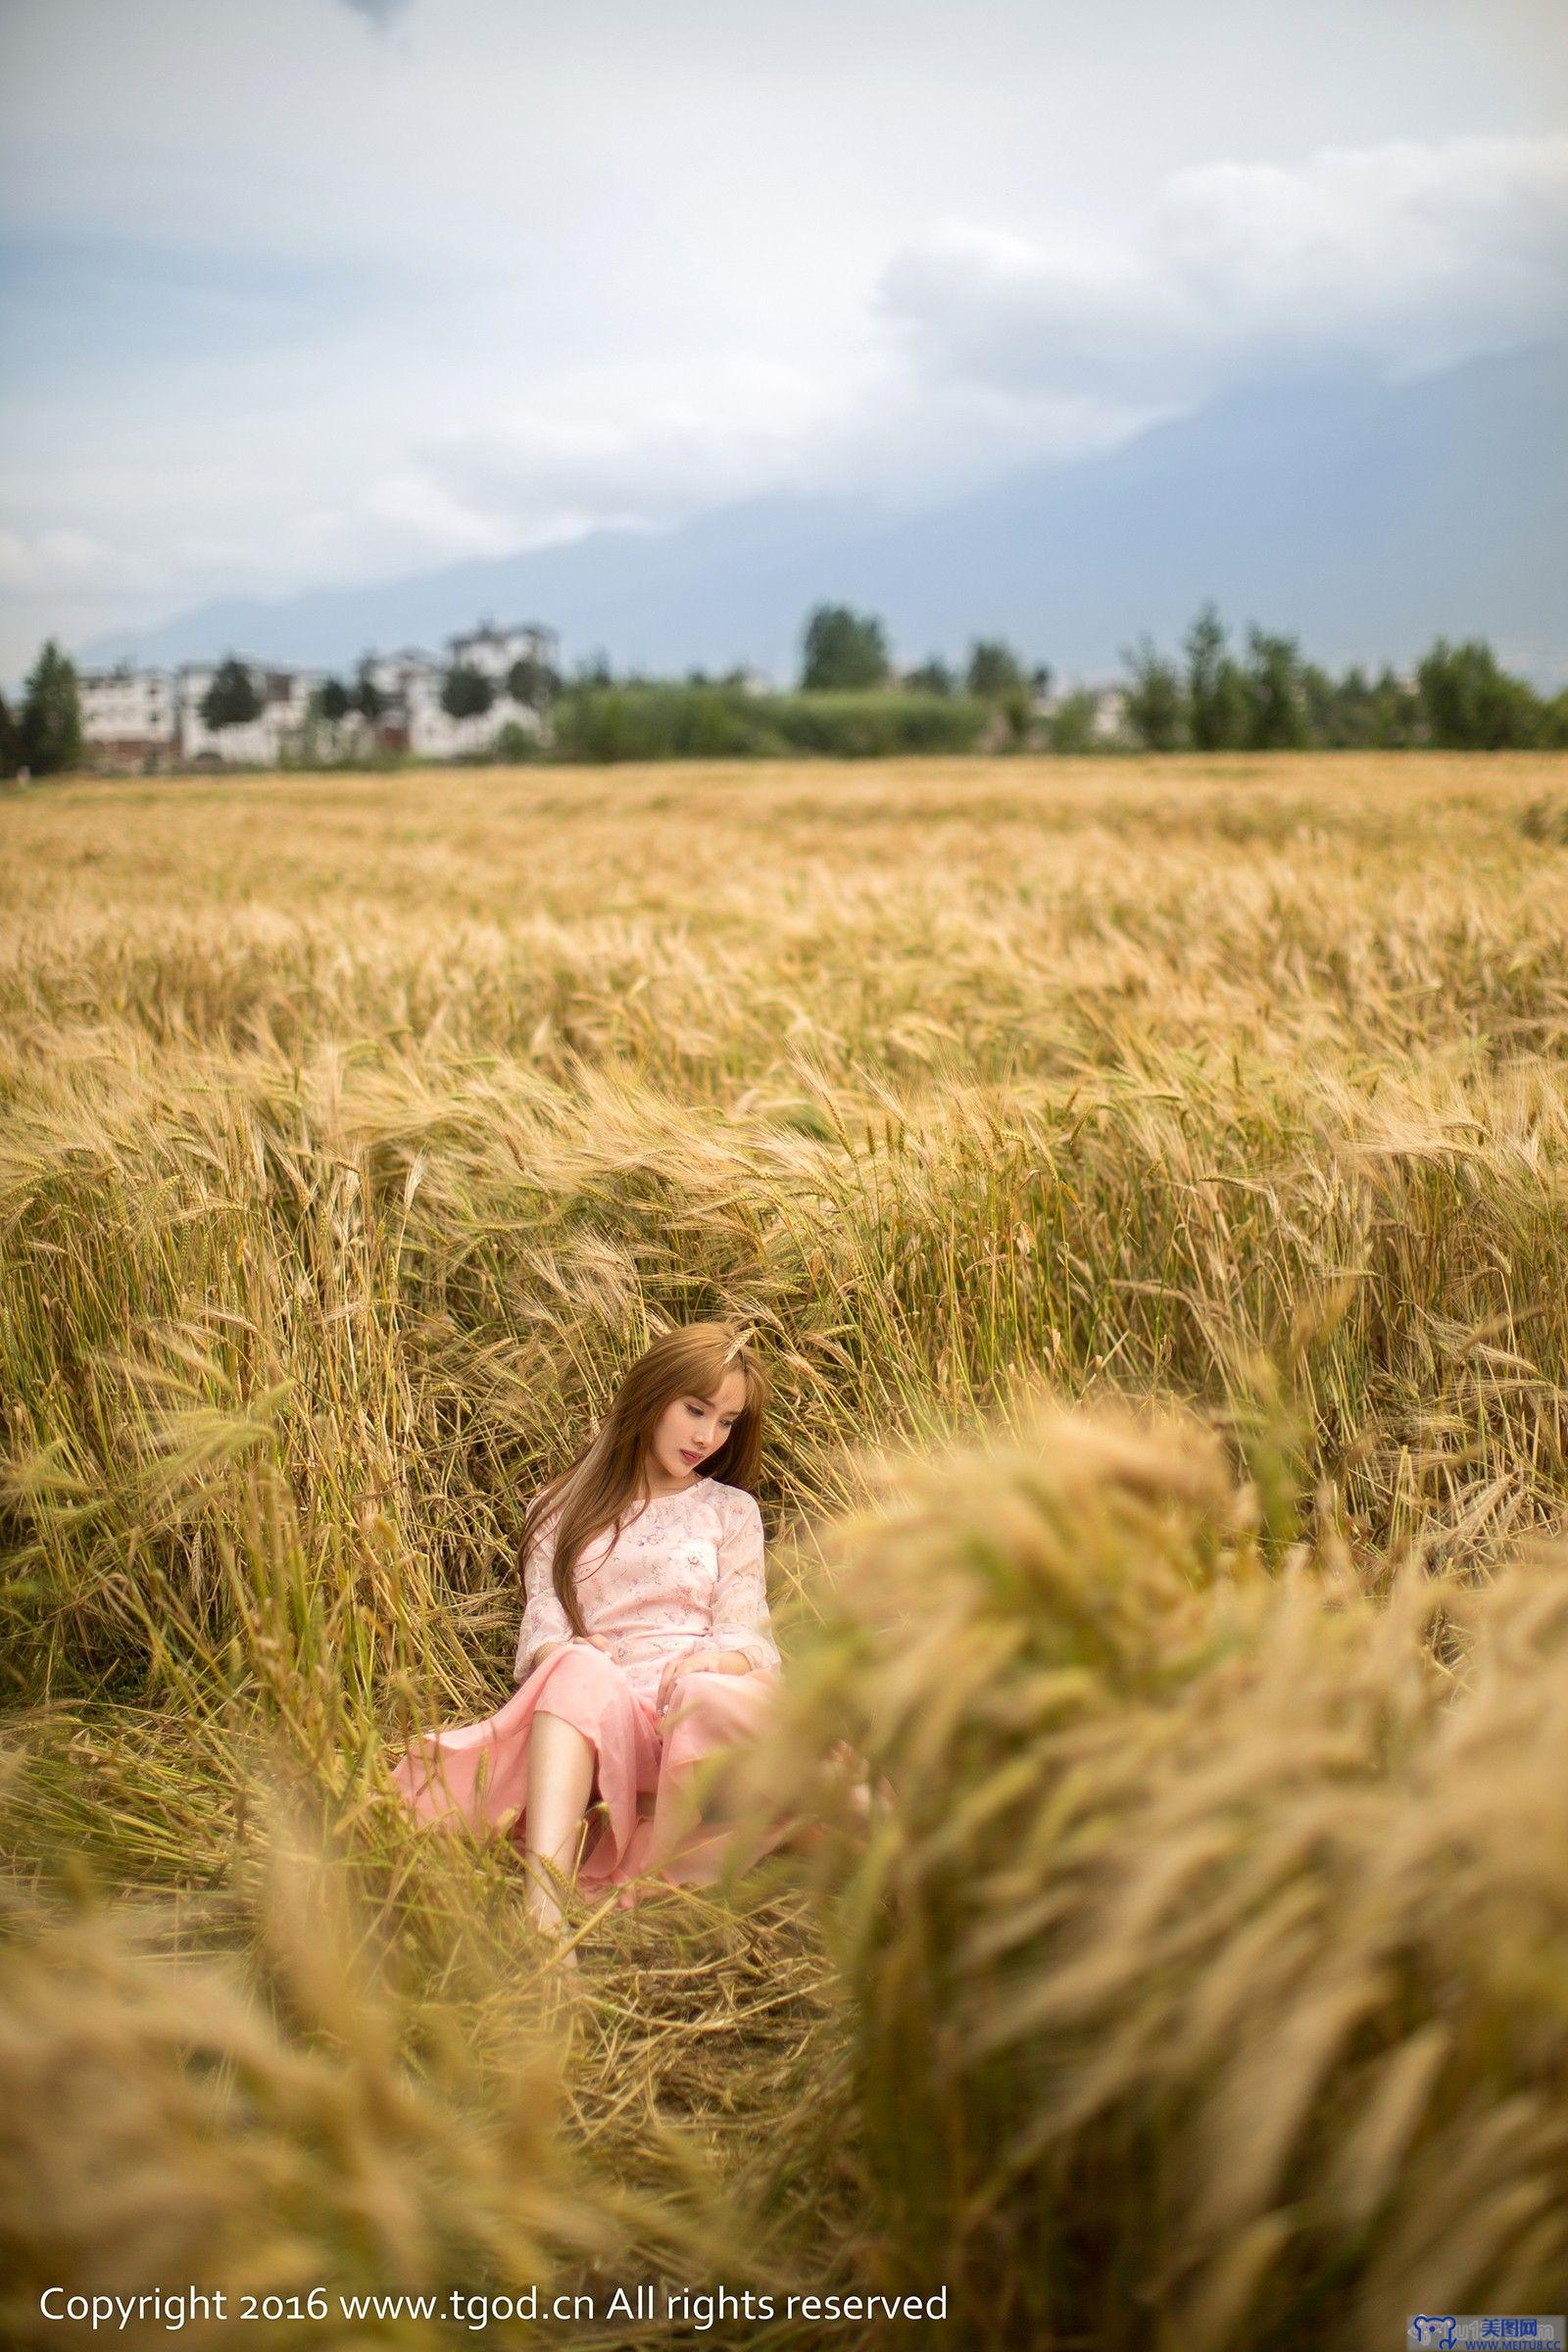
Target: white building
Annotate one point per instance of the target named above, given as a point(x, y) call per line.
point(147, 718)
point(390, 672)
point(129, 716)
point(494, 650)
point(1110, 722)
point(399, 679)
point(413, 683)
point(433, 734)
point(1108, 716)
point(279, 729)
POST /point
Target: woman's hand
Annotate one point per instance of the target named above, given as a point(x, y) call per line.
point(670, 1682)
point(728, 1661)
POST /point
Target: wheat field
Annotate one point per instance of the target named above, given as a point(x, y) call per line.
point(1148, 1181)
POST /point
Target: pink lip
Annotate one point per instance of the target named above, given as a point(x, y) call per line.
point(691, 1458)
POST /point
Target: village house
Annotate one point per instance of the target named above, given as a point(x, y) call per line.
point(409, 683)
point(495, 651)
point(146, 719)
point(1109, 721)
point(130, 717)
point(1107, 711)
point(151, 718)
point(279, 731)
point(412, 682)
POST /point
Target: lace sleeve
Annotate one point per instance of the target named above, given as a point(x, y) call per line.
point(543, 1617)
point(740, 1599)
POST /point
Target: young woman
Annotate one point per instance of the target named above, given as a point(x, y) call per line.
point(645, 1644)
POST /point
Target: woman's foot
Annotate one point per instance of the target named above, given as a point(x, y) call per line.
point(551, 1921)
point(543, 1908)
point(854, 1778)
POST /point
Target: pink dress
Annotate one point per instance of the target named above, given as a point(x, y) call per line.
point(683, 1577)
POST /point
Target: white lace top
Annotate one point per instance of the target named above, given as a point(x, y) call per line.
point(684, 1574)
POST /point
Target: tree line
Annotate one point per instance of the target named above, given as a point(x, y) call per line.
point(1264, 696)
point(1209, 698)
point(853, 701)
point(1271, 699)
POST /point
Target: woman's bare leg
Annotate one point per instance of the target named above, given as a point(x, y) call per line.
point(560, 1779)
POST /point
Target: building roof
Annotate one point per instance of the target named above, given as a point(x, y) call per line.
point(120, 673)
point(489, 632)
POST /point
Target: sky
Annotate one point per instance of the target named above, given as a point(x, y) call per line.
point(336, 291)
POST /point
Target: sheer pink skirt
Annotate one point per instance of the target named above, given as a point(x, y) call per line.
point(645, 1823)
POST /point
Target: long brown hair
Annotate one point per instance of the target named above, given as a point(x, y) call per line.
point(608, 1472)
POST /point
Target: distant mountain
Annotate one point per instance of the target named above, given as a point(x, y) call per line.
point(1364, 517)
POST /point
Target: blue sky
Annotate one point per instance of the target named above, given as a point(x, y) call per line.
point(323, 293)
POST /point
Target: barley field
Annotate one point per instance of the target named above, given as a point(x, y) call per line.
point(1149, 1184)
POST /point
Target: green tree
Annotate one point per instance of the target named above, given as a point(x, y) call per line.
point(9, 741)
point(1470, 704)
point(332, 701)
point(931, 677)
point(1394, 717)
point(367, 699)
point(1322, 707)
point(50, 723)
point(1352, 713)
point(1018, 710)
point(231, 699)
point(1155, 708)
point(993, 670)
point(465, 692)
point(532, 682)
point(1071, 725)
point(1555, 722)
point(842, 650)
point(1216, 690)
point(517, 742)
point(1279, 704)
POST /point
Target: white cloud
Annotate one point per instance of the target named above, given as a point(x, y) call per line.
point(644, 442)
point(653, 444)
point(71, 562)
point(1410, 256)
point(492, 276)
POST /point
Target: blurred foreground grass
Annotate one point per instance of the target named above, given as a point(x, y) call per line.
point(1149, 1183)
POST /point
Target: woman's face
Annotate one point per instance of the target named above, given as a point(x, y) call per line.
point(693, 1426)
